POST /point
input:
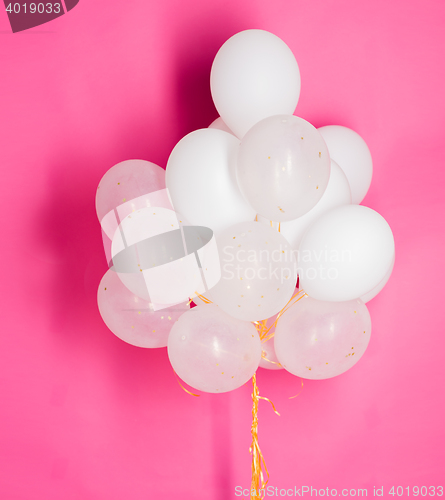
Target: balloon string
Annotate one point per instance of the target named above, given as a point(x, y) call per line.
point(299, 392)
point(183, 388)
point(263, 356)
point(204, 299)
point(258, 484)
point(269, 401)
point(271, 225)
point(264, 331)
point(261, 327)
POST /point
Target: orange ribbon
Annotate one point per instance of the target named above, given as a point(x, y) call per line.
point(263, 330)
point(258, 484)
point(183, 388)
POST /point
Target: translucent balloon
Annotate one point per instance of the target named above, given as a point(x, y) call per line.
point(319, 340)
point(132, 319)
point(350, 151)
point(125, 181)
point(201, 178)
point(212, 351)
point(345, 253)
point(254, 75)
point(258, 274)
point(337, 194)
point(283, 167)
point(220, 125)
point(375, 291)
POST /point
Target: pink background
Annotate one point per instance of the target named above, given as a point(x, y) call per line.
point(85, 416)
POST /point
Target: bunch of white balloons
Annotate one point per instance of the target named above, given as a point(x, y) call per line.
point(283, 201)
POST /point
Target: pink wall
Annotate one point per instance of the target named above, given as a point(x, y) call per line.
point(85, 416)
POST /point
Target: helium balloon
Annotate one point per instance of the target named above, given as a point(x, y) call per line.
point(345, 253)
point(375, 291)
point(350, 151)
point(318, 340)
point(258, 272)
point(283, 167)
point(254, 75)
point(126, 181)
point(213, 352)
point(220, 125)
point(201, 178)
point(337, 194)
point(126, 187)
point(132, 319)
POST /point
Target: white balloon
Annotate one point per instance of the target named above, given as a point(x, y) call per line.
point(350, 151)
point(375, 291)
point(134, 320)
point(337, 193)
point(254, 75)
point(212, 351)
point(283, 167)
point(345, 254)
point(220, 125)
point(258, 272)
point(318, 339)
point(126, 184)
point(201, 179)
